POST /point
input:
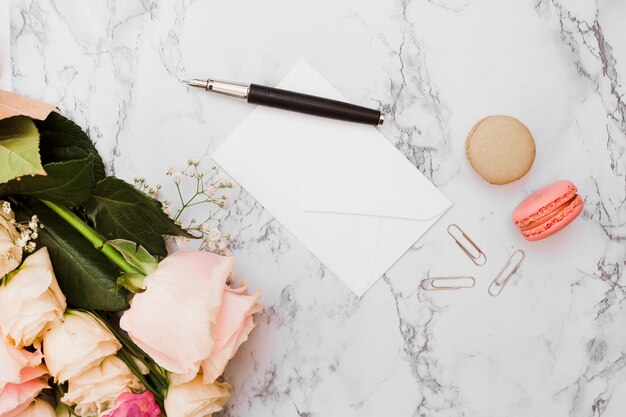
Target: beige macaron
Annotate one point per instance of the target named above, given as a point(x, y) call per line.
point(501, 149)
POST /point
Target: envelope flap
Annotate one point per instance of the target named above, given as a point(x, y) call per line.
point(362, 174)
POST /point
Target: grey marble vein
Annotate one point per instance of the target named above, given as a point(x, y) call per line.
point(552, 344)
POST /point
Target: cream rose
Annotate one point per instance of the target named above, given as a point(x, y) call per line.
point(31, 301)
point(196, 399)
point(80, 342)
point(38, 408)
point(95, 390)
point(10, 253)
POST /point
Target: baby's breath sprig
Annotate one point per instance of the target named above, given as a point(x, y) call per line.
point(204, 189)
point(22, 234)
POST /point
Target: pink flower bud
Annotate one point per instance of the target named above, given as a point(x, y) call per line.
point(135, 405)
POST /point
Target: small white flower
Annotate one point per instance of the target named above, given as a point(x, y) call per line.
point(6, 207)
point(210, 190)
point(212, 246)
point(34, 235)
point(221, 245)
point(204, 227)
point(177, 177)
point(214, 234)
point(30, 247)
point(221, 179)
point(170, 170)
point(181, 241)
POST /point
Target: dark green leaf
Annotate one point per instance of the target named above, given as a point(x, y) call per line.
point(120, 211)
point(86, 276)
point(68, 183)
point(63, 140)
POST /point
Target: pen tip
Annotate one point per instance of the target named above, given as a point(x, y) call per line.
point(196, 83)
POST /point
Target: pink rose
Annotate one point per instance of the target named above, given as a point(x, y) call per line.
point(234, 323)
point(21, 380)
point(13, 360)
point(172, 319)
point(135, 405)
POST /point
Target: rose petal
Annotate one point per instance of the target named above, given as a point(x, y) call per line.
point(13, 361)
point(234, 324)
point(14, 104)
point(15, 398)
point(172, 319)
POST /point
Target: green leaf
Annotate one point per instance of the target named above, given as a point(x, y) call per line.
point(68, 183)
point(19, 149)
point(63, 140)
point(120, 211)
point(136, 255)
point(85, 275)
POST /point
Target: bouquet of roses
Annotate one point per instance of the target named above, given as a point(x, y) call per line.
point(96, 318)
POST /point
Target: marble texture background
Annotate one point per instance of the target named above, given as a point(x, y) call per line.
point(554, 342)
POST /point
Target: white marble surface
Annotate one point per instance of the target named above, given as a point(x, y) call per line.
point(553, 344)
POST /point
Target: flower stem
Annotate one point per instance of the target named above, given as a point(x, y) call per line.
point(92, 236)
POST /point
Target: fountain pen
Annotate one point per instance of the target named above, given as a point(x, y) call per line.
point(293, 101)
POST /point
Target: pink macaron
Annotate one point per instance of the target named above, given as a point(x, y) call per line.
point(548, 210)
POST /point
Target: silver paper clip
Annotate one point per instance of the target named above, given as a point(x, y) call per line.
point(447, 283)
point(496, 286)
point(468, 246)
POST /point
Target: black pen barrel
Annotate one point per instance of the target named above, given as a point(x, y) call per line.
point(317, 106)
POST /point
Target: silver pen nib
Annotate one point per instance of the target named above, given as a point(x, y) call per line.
point(221, 87)
point(198, 83)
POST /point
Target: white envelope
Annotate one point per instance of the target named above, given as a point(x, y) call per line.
point(5, 46)
point(340, 188)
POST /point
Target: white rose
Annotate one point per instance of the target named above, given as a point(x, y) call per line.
point(82, 341)
point(10, 253)
point(96, 389)
point(38, 408)
point(31, 301)
point(196, 399)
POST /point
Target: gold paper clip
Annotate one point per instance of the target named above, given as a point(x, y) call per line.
point(478, 257)
point(496, 286)
point(447, 283)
